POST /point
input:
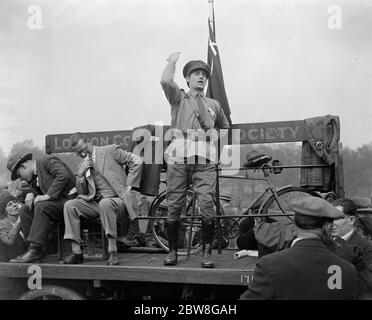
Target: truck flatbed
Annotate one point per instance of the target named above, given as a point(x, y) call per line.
point(146, 267)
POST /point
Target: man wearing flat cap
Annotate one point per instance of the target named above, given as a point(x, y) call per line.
point(306, 270)
point(54, 181)
point(190, 155)
point(352, 246)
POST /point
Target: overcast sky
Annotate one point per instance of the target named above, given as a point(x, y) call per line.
point(96, 64)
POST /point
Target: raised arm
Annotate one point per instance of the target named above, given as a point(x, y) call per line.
point(172, 91)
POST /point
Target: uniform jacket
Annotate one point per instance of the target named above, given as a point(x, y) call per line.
point(184, 104)
point(112, 162)
point(54, 177)
point(358, 251)
point(301, 272)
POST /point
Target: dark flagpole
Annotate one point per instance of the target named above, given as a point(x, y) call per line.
point(218, 212)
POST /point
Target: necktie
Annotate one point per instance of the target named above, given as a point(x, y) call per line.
point(339, 242)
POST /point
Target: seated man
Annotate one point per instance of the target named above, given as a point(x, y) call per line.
point(53, 180)
point(103, 186)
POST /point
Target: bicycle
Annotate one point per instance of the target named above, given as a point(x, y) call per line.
point(159, 209)
point(275, 203)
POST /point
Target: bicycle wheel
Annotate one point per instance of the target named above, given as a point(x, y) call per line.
point(285, 196)
point(159, 231)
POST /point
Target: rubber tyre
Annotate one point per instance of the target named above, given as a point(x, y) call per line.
point(51, 291)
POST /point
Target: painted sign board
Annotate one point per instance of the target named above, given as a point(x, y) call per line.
point(244, 133)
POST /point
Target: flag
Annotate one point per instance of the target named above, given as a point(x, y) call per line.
point(216, 88)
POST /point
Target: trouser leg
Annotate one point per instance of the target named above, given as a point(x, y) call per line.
point(177, 183)
point(204, 182)
point(72, 211)
point(44, 213)
point(27, 216)
point(177, 177)
point(109, 208)
point(108, 212)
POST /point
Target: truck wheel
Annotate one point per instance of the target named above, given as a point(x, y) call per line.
point(51, 292)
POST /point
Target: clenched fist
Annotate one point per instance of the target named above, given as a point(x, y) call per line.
point(173, 57)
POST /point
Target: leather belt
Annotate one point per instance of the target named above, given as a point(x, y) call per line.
point(193, 136)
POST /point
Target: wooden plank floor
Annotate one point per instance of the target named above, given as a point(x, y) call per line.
point(146, 267)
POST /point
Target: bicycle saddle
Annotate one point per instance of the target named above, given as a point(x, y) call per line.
point(256, 159)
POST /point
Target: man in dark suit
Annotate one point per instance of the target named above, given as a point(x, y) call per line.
point(51, 177)
point(306, 270)
point(351, 246)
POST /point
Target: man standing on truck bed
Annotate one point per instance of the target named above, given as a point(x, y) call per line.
point(103, 187)
point(52, 178)
point(189, 157)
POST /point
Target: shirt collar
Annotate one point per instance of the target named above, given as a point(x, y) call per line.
point(194, 93)
point(298, 239)
point(295, 240)
point(94, 154)
point(35, 169)
point(348, 235)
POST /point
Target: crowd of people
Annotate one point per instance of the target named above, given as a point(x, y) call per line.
point(318, 256)
point(322, 235)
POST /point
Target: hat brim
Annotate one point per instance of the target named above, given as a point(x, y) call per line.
point(191, 70)
point(25, 158)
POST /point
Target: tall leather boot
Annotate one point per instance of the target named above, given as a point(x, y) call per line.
point(208, 235)
point(172, 231)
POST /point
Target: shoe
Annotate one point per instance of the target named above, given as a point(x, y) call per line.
point(128, 243)
point(32, 255)
point(113, 259)
point(172, 231)
point(133, 229)
point(73, 258)
point(207, 261)
point(171, 259)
